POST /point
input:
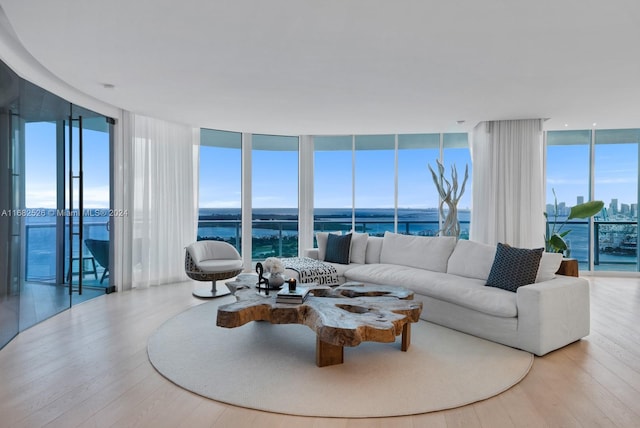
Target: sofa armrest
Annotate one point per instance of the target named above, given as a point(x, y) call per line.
point(311, 253)
point(553, 313)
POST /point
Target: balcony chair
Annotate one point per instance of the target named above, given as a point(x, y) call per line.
point(100, 251)
point(211, 261)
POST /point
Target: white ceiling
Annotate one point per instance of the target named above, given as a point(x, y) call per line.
point(345, 66)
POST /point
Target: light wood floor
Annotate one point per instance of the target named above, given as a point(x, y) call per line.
point(88, 367)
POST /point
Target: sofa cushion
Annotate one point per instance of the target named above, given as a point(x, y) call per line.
point(549, 265)
point(514, 267)
point(322, 237)
point(424, 252)
point(338, 248)
point(359, 247)
point(467, 292)
point(471, 259)
point(374, 247)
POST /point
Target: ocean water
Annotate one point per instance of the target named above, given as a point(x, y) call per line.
point(41, 245)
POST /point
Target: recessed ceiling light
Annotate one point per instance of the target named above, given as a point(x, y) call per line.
point(108, 85)
point(566, 124)
point(459, 122)
point(594, 124)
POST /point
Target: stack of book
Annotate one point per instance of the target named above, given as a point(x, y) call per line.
point(296, 296)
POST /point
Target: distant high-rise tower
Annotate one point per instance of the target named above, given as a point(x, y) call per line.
point(562, 208)
point(624, 209)
point(613, 206)
point(634, 210)
point(580, 200)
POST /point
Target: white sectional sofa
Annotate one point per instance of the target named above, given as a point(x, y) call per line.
point(449, 277)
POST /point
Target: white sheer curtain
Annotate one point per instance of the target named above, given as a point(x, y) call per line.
point(156, 186)
point(508, 183)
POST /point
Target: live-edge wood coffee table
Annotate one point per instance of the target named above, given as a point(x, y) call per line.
point(343, 316)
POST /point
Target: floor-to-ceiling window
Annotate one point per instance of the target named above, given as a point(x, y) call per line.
point(220, 186)
point(455, 153)
point(567, 164)
point(333, 183)
point(374, 184)
point(274, 196)
point(417, 195)
point(363, 181)
point(601, 165)
point(616, 184)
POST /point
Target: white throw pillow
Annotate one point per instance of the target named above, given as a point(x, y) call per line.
point(549, 265)
point(374, 247)
point(423, 252)
point(471, 259)
point(358, 247)
point(322, 237)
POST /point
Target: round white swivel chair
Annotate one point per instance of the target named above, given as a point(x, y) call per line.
point(211, 261)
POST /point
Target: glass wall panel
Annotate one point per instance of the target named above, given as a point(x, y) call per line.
point(567, 164)
point(38, 277)
point(333, 183)
point(456, 153)
point(616, 183)
point(374, 184)
point(220, 216)
point(274, 196)
point(11, 199)
point(417, 195)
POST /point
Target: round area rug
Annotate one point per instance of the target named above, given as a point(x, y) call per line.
point(272, 368)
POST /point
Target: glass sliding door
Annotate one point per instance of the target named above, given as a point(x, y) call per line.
point(44, 226)
point(43, 292)
point(87, 205)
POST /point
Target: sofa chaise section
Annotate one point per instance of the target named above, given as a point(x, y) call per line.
point(449, 277)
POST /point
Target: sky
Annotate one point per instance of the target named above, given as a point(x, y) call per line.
point(275, 178)
point(40, 167)
point(615, 174)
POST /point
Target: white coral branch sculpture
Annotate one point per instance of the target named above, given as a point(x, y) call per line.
point(449, 195)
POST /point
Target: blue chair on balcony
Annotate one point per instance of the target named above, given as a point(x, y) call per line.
point(100, 251)
point(212, 261)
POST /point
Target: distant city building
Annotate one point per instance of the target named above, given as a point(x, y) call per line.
point(613, 206)
point(625, 209)
point(562, 208)
point(634, 210)
point(550, 209)
point(580, 200)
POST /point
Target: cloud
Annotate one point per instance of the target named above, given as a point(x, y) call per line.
point(40, 198)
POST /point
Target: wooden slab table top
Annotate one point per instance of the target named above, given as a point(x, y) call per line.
point(343, 316)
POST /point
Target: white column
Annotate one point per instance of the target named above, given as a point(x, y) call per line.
point(247, 247)
point(305, 193)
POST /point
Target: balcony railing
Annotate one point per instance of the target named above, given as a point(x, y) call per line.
point(41, 249)
point(279, 238)
point(615, 244)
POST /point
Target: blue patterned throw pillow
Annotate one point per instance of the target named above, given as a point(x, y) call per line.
point(338, 249)
point(514, 267)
